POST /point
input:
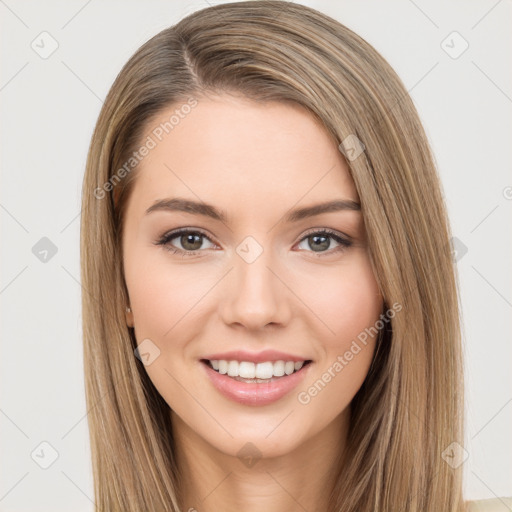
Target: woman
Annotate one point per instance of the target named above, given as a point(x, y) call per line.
point(270, 317)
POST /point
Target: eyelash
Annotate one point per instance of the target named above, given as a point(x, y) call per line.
point(167, 237)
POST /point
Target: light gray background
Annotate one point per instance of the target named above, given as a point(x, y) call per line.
point(49, 108)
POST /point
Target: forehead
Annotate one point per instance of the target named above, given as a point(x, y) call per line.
point(231, 150)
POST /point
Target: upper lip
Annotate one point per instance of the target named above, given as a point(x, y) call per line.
point(255, 357)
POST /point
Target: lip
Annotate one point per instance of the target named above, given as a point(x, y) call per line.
point(253, 393)
point(256, 357)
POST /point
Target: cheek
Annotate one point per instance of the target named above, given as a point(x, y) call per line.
point(350, 304)
point(164, 296)
point(347, 302)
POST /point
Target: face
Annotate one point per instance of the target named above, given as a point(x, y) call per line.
point(252, 278)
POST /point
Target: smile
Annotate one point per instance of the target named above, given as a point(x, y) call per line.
point(255, 384)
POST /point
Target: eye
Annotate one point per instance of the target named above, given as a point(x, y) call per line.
point(321, 241)
point(190, 241)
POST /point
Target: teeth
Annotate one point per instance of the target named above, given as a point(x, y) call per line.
point(289, 367)
point(249, 370)
point(264, 370)
point(223, 366)
point(233, 368)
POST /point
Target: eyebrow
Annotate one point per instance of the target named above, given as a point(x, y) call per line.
point(208, 210)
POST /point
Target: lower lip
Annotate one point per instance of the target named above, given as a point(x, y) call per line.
point(253, 393)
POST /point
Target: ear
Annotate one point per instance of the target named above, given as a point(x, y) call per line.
point(129, 317)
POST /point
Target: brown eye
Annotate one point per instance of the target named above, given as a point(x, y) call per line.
point(191, 242)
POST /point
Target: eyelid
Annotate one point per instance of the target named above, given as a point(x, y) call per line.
point(329, 231)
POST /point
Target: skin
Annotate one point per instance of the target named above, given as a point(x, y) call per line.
point(255, 162)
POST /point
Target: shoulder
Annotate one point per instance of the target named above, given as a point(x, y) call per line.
point(492, 505)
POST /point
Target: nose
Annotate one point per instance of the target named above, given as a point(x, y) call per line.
point(255, 294)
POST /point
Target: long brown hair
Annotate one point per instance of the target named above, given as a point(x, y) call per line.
point(409, 409)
